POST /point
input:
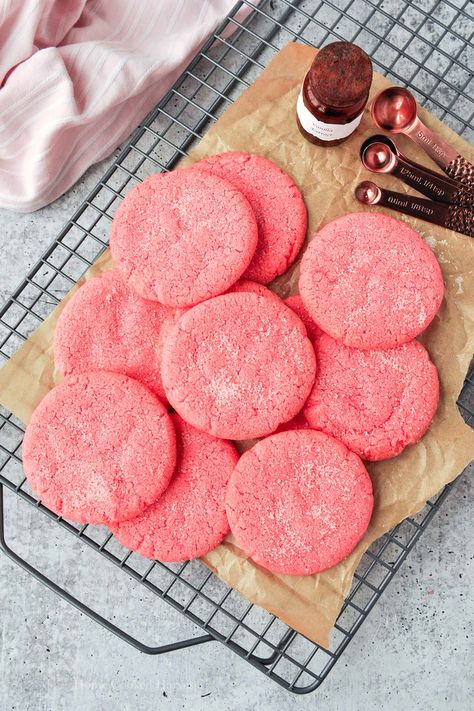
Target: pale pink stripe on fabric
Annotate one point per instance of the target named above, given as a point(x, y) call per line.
point(76, 77)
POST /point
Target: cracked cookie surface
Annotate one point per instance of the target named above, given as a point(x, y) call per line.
point(370, 281)
point(238, 365)
point(377, 402)
point(296, 304)
point(182, 237)
point(108, 326)
point(189, 519)
point(298, 502)
point(278, 206)
point(99, 447)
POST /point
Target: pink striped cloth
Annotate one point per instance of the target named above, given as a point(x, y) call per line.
point(77, 76)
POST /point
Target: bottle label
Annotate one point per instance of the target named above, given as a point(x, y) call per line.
point(321, 130)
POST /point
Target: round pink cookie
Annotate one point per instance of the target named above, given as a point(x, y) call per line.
point(277, 204)
point(189, 519)
point(99, 447)
point(182, 237)
point(238, 365)
point(107, 326)
point(370, 281)
point(295, 303)
point(377, 402)
point(299, 502)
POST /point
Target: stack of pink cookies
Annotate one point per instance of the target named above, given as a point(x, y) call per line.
point(181, 350)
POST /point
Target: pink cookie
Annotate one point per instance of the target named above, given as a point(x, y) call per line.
point(189, 519)
point(370, 281)
point(107, 326)
point(295, 303)
point(277, 204)
point(99, 447)
point(182, 237)
point(299, 502)
point(377, 402)
point(238, 365)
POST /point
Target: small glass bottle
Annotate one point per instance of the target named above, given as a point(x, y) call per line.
point(334, 94)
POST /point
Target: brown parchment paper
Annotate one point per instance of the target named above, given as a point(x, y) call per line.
point(262, 120)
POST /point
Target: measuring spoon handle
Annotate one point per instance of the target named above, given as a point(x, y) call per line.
point(462, 170)
point(433, 185)
point(454, 217)
point(442, 153)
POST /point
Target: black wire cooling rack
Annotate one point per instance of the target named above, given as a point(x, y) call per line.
point(426, 45)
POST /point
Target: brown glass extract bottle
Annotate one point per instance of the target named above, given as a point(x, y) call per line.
point(334, 93)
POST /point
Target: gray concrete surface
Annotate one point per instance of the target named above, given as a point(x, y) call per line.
point(415, 650)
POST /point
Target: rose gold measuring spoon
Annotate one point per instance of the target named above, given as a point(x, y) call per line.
point(459, 219)
point(380, 154)
point(395, 110)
